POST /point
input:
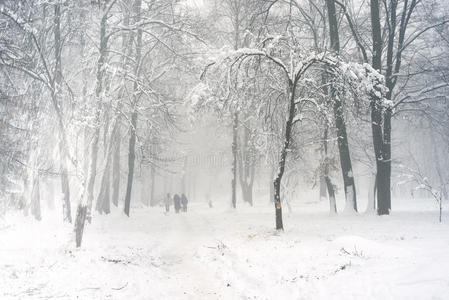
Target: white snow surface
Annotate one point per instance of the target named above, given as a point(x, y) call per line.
point(217, 253)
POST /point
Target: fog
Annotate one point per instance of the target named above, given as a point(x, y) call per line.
point(279, 149)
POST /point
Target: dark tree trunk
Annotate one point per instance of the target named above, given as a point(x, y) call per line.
point(133, 125)
point(131, 160)
point(342, 138)
point(283, 157)
point(377, 110)
point(79, 223)
point(277, 203)
point(387, 159)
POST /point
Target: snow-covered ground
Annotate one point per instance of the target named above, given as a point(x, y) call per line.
point(223, 254)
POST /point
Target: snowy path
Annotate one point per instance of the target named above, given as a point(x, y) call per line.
point(219, 254)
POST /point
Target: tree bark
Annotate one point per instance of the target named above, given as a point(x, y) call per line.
point(98, 95)
point(131, 160)
point(283, 157)
point(342, 138)
point(133, 125)
point(79, 223)
point(377, 111)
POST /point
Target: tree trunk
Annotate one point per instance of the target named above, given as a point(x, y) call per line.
point(387, 157)
point(133, 125)
point(103, 204)
point(326, 175)
point(63, 147)
point(342, 138)
point(103, 200)
point(152, 186)
point(323, 188)
point(329, 184)
point(283, 157)
point(131, 159)
point(234, 159)
point(372, 195)
point(35, 204)
point(79, 223)
point(98, 95)
point(116, 168)
point(377, 110)
point(246, 164)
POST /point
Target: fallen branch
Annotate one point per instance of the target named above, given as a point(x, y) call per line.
point(120, 288)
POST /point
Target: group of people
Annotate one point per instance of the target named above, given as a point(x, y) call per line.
point(180, 202)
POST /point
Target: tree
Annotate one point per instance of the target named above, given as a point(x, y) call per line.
point(343, 145)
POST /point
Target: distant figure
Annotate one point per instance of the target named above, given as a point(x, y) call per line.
point(177, 202)
point(184, 202)
point(167, 202)
point(209, 201)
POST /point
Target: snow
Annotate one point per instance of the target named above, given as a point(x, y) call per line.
point(223, 254)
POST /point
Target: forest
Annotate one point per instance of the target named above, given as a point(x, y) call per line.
point(307, 142)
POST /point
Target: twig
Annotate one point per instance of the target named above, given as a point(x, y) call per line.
point(120, 288)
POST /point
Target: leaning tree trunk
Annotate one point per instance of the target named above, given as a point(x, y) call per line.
point(343, 145)
point(283, 157)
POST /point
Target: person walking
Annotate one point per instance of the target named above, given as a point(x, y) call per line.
point(184, 202)
point(167, 202)
point(177, 202)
